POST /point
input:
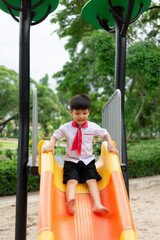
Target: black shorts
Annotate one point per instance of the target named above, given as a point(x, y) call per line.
point(80, 172)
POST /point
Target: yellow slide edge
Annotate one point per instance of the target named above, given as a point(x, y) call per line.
point(128, 234)
point(46, 235)
point(106, 165)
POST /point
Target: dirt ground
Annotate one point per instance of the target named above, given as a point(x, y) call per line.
point(144, 200)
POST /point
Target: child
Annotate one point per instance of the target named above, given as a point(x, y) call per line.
point(79, 164)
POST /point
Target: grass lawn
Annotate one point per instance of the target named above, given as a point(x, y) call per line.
point(7, 144)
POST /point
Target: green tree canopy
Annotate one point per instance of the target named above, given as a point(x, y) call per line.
point(8, 97)
point(143, 89)
point(91, 65)
point(150, 21)
point(91, 71)
point(72, 26)
point(50, 113)
point(147, 25)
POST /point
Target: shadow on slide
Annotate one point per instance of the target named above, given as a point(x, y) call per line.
point(54, 221)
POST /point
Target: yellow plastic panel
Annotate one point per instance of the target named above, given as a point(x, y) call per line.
point(128, 235)
point(111, 161)
point(58, 179)
point(106, 165)
point(46, 160)
point(46, 235)
point(39, 155)
point(47, 164)
point(56, 223)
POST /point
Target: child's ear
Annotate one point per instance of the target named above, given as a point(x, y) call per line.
point(70, 112)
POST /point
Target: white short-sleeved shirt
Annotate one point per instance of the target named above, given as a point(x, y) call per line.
point(68, 131)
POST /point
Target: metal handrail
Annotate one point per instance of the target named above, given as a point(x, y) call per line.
point(111, 119)
point(34, 127)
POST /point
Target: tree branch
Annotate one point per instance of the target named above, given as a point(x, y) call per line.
point(3, 124)
point(154, 7)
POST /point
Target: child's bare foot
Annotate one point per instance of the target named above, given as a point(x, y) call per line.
point(100, 209)
point(71, 206)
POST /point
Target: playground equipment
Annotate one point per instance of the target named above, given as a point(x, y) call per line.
point(116, 16)
point(54, 219)
point(34, 127)
point(111, 120)
point(33, 159)
point(37, 9)
point(30, 12)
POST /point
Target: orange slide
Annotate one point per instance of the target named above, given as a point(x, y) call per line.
point(54, 221)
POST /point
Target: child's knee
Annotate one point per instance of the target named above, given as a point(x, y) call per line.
point(72, 182)
point(91, 181)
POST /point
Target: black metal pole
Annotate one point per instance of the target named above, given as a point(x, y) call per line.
point(120, 66)
point(23, 142)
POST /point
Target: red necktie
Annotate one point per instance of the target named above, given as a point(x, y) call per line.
point(77, 142)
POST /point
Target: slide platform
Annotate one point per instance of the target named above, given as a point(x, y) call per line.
point(55, 223)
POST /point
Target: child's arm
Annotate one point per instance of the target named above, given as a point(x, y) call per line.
point(50, 146)
point(110, 146)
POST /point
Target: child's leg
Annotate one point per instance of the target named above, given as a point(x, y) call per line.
point(70, 195)
point(93, 188)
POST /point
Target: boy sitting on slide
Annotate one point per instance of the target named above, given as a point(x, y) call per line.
point(79, 161)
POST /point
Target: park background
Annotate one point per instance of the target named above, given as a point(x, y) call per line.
point(87, 65)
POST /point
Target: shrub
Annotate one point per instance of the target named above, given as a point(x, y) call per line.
point(8, 176)
point(144, 158)
point(9, 154)
point(33, 183)
point(60, 150)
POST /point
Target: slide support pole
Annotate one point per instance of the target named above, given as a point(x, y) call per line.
point(24, 104)
point(120, 67)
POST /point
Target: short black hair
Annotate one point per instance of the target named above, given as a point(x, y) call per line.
point(80, 101)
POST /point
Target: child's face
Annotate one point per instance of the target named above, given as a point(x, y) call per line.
point(80, 116)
